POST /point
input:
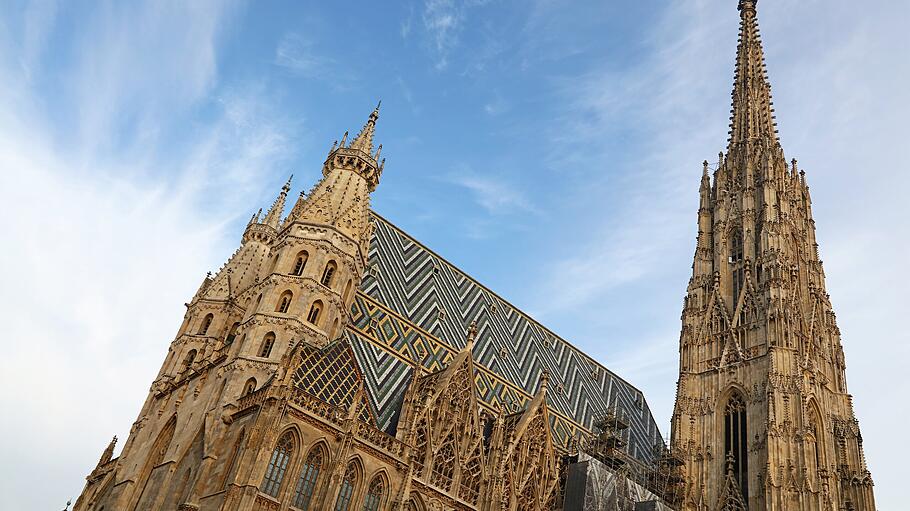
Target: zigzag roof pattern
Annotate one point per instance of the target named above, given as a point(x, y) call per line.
point(414, 306)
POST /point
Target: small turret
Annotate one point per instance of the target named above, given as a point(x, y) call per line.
point(318, 254)
point(704, 190)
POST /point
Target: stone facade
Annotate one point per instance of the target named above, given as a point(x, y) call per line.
point(762, 419)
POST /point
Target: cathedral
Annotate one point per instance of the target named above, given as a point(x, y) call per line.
point(335, 363)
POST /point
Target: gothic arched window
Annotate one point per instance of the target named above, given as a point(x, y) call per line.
point(284, 303)
point(249, 387)
point(206, 323)
point(471, 475)
point(813, 446)
point(736, 441)
point(189, 359)
point(300, 262)
point(347, 289)
point(267, 342)
point(315, 310)
point(278, 465)
point(813, 441)
point(736, 260)
point(421, 446)
point(348, 483)
point(736, 247)
point(374, 494)
point(232, 333)
point(274, 264)
point(328, 273)
point(444, 463)
point(309, 474)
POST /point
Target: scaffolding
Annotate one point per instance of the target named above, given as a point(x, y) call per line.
point(608, 444)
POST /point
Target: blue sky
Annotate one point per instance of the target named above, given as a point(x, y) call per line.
point(551, 149)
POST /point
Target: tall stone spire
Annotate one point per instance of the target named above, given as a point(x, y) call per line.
point(762, 373)
point(753, 114)
point(273, 217)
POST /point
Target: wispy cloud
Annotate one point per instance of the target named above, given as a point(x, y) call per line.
point(407, 93)
point(442, 20)
point(443, 23)
point(108, 230)
point(405, 27)
point(496, 106)
point(117, 93)
point(493, 194)
point(653, 105)
point(40, 18)
point(298, 54)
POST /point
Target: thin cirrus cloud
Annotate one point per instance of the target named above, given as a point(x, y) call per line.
point(299, 55)
point(443, 24)
point(495, 195)
point(111, 212)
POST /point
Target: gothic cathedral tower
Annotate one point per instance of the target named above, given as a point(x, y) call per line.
point(289, 284)
point(762, 419)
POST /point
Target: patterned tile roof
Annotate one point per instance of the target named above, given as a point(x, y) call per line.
point(415, 306)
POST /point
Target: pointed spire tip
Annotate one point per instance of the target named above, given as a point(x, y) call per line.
point(747, 4)
point(472, 334)
point(544, 379)
point(364, 139)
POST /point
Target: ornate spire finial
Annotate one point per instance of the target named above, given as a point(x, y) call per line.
point(108, 453)
point(255, 218)
point(364, 139)
point(544, 379)
point(472, 334)
point(273, 217)
point(753, 115)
